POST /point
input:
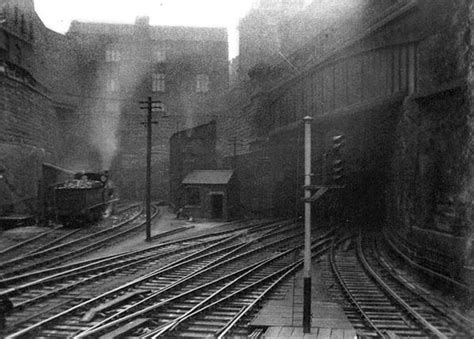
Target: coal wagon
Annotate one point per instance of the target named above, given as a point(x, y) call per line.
point(84, 199)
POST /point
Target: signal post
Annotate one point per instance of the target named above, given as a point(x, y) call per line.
point(337, 177)
point(307, 227)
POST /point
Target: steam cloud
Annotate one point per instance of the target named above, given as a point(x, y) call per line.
point(105, 126)
point(106, 114)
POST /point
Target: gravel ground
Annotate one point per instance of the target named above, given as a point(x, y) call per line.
point(166, 221)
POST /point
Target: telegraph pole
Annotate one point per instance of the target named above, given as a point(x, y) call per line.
point(149, 107)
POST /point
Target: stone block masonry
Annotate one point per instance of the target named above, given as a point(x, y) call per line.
point(29, 136)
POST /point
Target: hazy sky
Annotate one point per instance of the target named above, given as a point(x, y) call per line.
point(57, 14)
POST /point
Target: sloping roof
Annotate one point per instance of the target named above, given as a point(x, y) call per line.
point(100, 28)
point(209, 177)
point(174, 33)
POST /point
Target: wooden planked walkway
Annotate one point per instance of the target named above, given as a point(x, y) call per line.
point(283, 332)
point(283, 316)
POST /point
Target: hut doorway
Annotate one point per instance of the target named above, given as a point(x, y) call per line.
point(217, 204)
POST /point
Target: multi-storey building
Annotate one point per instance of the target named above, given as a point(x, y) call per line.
point(183, 67)
point(260, 34)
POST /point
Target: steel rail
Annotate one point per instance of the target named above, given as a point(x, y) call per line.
point(112, 292)
point(73, 254)
point(459, 320)
point(428, 271)
point(290, 228)
point(270, 232)
point(86, 237)
point(27, 241)
point(203, 287)
point(394, 296)
point(204, 305)
point(57, 271)
point(228, 251)
point(42, 235)
point(221, 333)
point(121, 266)
point(193, 275)
point(241, 272)
point(107, 323)
point(352, 299)
point(55, 241)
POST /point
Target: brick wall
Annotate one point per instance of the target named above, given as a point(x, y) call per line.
point(191, 149)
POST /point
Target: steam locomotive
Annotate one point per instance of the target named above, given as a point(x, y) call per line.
point(85, 198)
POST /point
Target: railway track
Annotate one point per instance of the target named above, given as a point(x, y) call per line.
point(35, 287)
point(16, 283)
point(435, 265)
point(380, 305)
point(68, 250)
point(182, 286)
point(36, 243)
point(59, 235)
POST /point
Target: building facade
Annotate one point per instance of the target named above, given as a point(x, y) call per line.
point(183, 67)
point(261, 34)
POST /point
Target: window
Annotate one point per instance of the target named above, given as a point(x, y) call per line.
point(112, 85)
point(202, 83)
point(112, 55)
point(193, 196)
point(158, 82)
point(159, 55)
point(22, 24)
point(32, 35)
point(18, 55)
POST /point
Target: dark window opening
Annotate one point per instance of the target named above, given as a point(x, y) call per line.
point(17, 57)
point(193, 196)
point(32, 35)
point(16, 15)
point(22, 24)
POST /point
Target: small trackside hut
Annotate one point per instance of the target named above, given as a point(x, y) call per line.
point(211, 194)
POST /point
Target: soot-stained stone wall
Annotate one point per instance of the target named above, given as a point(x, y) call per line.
point(28, 137)
point(432, 165)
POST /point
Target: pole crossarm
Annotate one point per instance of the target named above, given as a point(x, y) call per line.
point(317, 187)
point(317, 195)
